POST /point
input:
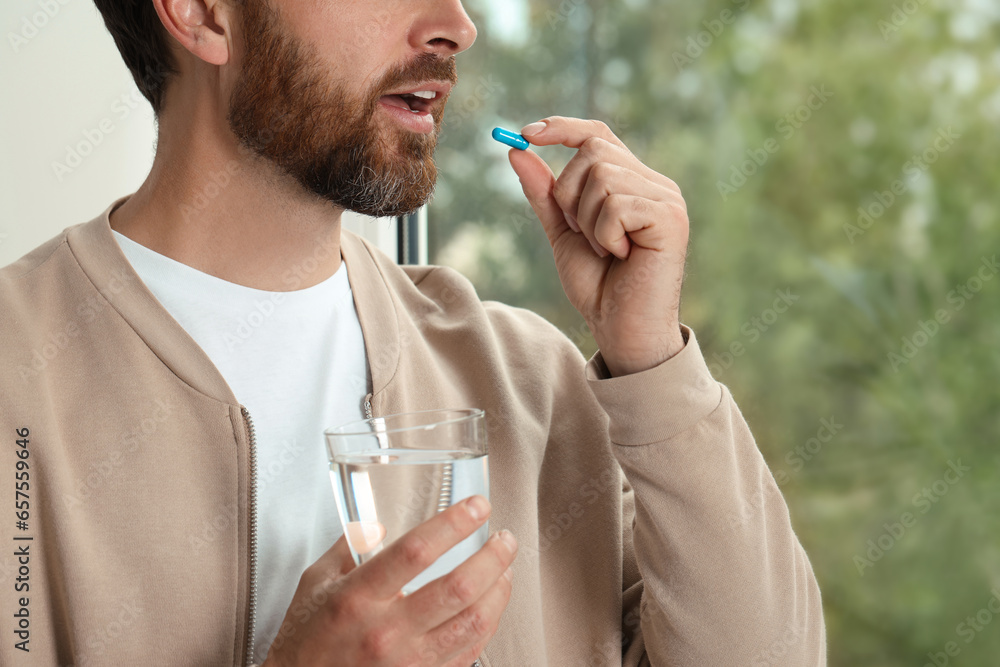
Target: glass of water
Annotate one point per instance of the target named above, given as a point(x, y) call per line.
point(397, 471)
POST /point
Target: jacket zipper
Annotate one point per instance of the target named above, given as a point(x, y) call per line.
point(368, 415)
point(252, 509)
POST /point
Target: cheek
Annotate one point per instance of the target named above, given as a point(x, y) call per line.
point(352, 25)
point(355, 38)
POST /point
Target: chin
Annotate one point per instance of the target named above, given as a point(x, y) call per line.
point(388, 211)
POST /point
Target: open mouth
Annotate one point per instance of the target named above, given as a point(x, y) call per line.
point(418, 102)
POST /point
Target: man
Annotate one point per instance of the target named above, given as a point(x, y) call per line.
point(159, 523)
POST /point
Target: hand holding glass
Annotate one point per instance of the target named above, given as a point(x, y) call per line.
point(393, 473)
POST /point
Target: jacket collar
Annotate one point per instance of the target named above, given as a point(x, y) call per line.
point(102, 260)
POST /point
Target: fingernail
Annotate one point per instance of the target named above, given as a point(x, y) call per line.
point(508, 538)
point(478, 507)
point(508, 574)
point(532, 129)
point(573, 224)
point(373, 532)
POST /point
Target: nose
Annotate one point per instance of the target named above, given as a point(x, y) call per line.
point(442, 27)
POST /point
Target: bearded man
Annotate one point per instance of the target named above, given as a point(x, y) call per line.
point(169, 369)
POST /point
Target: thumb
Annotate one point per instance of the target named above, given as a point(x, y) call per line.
point(363, 536)
point(538, 183)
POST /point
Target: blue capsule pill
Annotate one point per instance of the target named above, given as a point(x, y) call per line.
point(512, 139)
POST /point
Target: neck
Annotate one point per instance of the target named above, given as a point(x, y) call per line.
point(214, 207)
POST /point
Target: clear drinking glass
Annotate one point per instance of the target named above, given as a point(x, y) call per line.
point(402, 469)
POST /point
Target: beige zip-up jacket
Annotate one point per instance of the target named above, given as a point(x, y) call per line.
point(651, 531)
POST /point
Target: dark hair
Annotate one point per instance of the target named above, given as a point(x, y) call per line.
point(143, 43)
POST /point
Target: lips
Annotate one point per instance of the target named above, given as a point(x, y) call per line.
point(420, 98)
point(413, 102)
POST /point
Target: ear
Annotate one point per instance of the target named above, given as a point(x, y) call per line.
point(200, 26)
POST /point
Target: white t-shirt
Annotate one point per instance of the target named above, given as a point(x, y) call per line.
point(296, 360)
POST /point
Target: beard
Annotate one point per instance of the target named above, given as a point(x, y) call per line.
point(285, 109)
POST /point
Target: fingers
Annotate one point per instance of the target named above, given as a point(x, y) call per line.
point(574, 177)
point(538, 183)
point(627, 219)
point(474, 627)
point(386, 574)
point(327, 573)
point(444, 598)
point(559, 203)
point(571, 132)
point(596, 215)
point(336, 561)
point(605, 193)
point(576, 132)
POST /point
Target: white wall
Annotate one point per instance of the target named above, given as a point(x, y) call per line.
point(75, 133)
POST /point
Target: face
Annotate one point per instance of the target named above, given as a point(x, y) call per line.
point(347, 141)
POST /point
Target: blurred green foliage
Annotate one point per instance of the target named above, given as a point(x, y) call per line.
point(691, 88)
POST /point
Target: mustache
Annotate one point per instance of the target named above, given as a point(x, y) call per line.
point(424, 67)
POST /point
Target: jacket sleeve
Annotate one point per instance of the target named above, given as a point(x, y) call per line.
point(724, 580)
